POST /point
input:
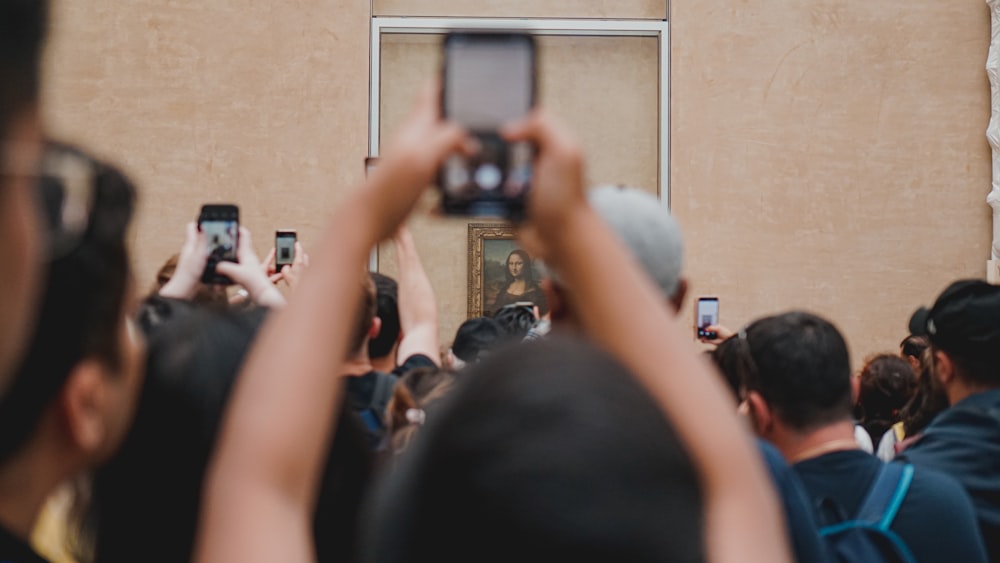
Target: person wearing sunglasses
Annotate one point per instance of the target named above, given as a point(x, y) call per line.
point(70, 402)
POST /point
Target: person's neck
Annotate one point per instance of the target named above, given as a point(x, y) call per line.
point(796, 447)
point(959, 390)
point(26, 481)
point(358, 365)
point(384, 364)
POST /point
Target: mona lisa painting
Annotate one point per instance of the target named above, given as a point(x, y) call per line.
point(500, 272)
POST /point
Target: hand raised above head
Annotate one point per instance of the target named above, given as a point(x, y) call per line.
point(557, 187)
point(249, 273)
point(190, 265)
point(411, 160)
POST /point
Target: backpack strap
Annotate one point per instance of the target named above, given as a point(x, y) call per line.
point(886, 495)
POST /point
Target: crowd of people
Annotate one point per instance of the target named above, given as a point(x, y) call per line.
point(311, 412)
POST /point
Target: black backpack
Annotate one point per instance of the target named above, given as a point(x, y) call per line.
point(867, 537)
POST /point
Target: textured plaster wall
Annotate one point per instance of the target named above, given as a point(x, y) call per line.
point(831, 156)
point(827, 156)
point(260, 103)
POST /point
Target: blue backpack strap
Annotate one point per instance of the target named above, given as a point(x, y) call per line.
point(875, 516)
point(886, 495)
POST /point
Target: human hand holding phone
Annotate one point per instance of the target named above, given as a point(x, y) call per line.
point(559, 192)
point(249, 274)
point(190, 265)
point(716, 334)
point(489, 81)
point(292, 274)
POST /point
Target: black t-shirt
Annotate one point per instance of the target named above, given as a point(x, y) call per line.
point(936, 520)
point(16, 550)
point(413, 362)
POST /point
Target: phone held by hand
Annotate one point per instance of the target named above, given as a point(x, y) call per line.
point(284, 248)
point(707, 315)
point(489, 80)
point(221, 225)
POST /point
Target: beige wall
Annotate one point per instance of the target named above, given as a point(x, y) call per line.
point(831, 156)
point(256, 102)
point(827, 156)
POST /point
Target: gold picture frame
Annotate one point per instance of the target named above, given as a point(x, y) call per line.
point(491, 246)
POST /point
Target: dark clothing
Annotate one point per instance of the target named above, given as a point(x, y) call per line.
point(807, 546)
point(936, 520)
point(413, 362)
point(532, 293)
point(964, 443)
point(368, 396)
point(16, 550)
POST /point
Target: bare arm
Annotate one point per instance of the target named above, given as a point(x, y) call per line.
point(264, 476)
point(743, 521)
point(418, 315)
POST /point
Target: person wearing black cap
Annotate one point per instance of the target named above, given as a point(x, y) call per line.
point(963, 327)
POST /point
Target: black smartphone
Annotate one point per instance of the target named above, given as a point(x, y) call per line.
point(707, 315)
point(221, 225)
point(284, 248)
point(489, 80)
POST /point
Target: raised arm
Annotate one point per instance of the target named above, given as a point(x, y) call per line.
point(743, 522)
point(264, 476)
point(418, 315)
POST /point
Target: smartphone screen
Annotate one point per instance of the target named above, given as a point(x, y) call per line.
point(221, 227)
point(284, 248)
point(707, 314)
point(489, 81)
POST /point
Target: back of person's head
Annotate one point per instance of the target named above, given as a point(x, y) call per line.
point(475, 338)
point(214, 295)
point(799, 366)
point(22, 32)
point(886, 384)
point(548, 451)
point(928, 400)
point(417, 390)
point(913, 346)
point(365, 326)
point(964, 324)
point(731, 361)
point(146, 499)
point(82, 316)
point(386, 309)
point(646, 227)
point(515, 320)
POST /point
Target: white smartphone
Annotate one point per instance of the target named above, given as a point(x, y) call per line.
point(707, 315)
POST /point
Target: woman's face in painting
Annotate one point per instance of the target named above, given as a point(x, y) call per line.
point(515, 265)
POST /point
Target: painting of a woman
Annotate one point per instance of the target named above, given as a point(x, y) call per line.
point(519, 284)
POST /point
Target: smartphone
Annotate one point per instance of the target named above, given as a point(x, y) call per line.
point(221, 225)
point(707, 315)
point(489, 80)
point(284, 248)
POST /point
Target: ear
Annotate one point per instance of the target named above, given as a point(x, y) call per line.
point(760, 414)
point(944, 368)
point(375, 329)
point(677, 299)
point(82, 403)
point(855, 389)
